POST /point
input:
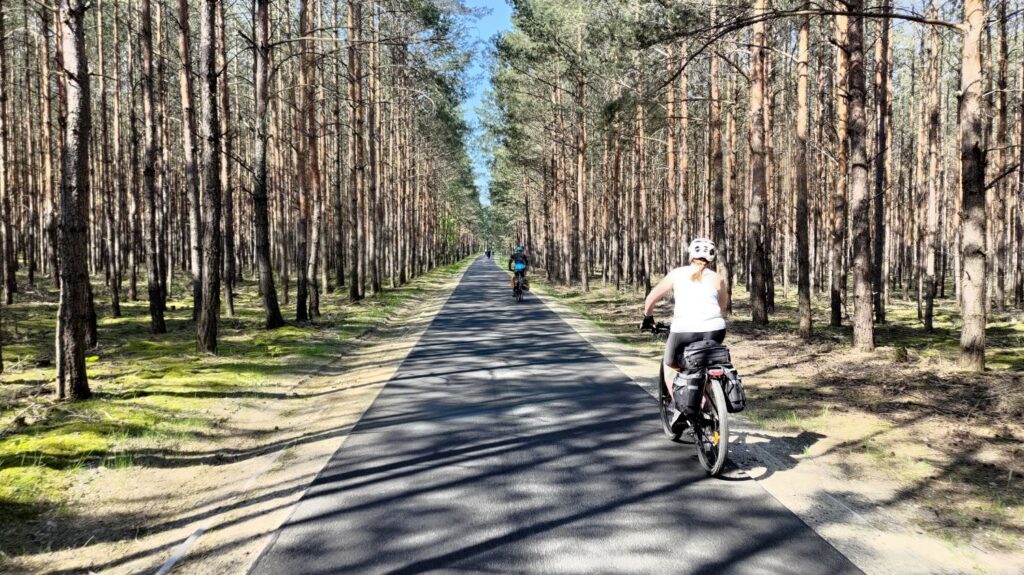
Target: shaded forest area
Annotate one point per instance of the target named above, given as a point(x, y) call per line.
point(857, 152)
point(313, 147)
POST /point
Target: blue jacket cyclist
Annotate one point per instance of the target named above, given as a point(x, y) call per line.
point(518, 262)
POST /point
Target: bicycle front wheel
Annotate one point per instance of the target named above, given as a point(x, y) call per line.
point(712, 429)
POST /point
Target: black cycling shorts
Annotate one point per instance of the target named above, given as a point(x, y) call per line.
point(677, 340)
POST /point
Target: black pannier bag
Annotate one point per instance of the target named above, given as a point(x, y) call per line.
point(735, 398)
point(701, 354)
point(686, 390)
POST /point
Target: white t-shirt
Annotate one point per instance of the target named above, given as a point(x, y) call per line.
point(696, 303)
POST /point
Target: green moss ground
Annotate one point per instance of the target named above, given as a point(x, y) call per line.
point(152, 392)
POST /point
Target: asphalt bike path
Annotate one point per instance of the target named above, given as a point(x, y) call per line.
point(506, 444)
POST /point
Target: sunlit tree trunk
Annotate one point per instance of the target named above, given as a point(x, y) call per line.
point(226, 152)
point(188, 143)
point(206, 328)
point(581, 168)
point(758, 182)
point(933, 127)
point(802, 247)
point(716, 168)
point(972, 166)
point(838, 243)
point(72, 380)
point(860, 195)
point(268, 293)
point(882, 119)
point(355, 149)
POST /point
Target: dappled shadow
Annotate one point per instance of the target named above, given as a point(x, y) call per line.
point(750, 450)
point(507, 444)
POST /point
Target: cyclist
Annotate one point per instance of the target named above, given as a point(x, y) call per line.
point(488, 253)
point(700, 299)
point(520, 262)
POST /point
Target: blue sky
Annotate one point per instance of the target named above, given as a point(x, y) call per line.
point(497, 19)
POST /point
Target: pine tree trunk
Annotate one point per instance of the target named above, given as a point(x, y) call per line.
point(261, 223)
point(999, 195)
point(581, 169)
point(355, 150)
point(838, 244)
point(308, 301)
point(188, 143)
point(802, 247)
point(972, 167)
point(716, 167)
point(683, 183)
point(882, 118)
point(226, 151)
point(3, 135)
point(758, 181)
point(860, 195)
point(932, 123)
point(206, 328)
point(373, 157)
point(50, 184)
point(72, 380)
point(150, 181)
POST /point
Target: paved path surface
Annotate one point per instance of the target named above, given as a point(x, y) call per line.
point(506, 444)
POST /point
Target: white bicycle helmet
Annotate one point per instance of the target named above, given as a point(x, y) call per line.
point(702, 248)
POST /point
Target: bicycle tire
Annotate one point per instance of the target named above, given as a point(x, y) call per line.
point(713, 440)
point(664, 408)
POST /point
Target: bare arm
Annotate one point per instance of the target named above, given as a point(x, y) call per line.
point(659, 291)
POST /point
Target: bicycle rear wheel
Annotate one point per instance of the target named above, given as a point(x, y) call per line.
point(712, 429)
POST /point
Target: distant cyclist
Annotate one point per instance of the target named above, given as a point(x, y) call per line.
point(488, 252)
point(700, 299)
point(518, 262)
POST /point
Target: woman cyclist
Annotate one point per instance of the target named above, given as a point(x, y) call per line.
point(700, 300)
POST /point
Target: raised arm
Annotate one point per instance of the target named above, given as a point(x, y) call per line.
point(659, 291)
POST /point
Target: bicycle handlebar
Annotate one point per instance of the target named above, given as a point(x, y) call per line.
point(658, 328)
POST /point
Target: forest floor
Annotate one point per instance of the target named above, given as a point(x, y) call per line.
point(177, 443)
point(901, 436)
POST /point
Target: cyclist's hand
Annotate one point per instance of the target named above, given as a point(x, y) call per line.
point(648, 323)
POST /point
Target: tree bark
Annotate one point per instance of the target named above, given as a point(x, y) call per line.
point(837, 247)
point(860, 195)
point(156, 301)
point(3, 135)
point(226, 153)
point(716, 167)
point(355, 151)
point(206, 328)
point(882, 119)
point(802, 246)
point(261, 220)
point(972, 184)
point(932, 121)
point(72, 380)
point(758, 181)
point(581, 166)
point(189, 144)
